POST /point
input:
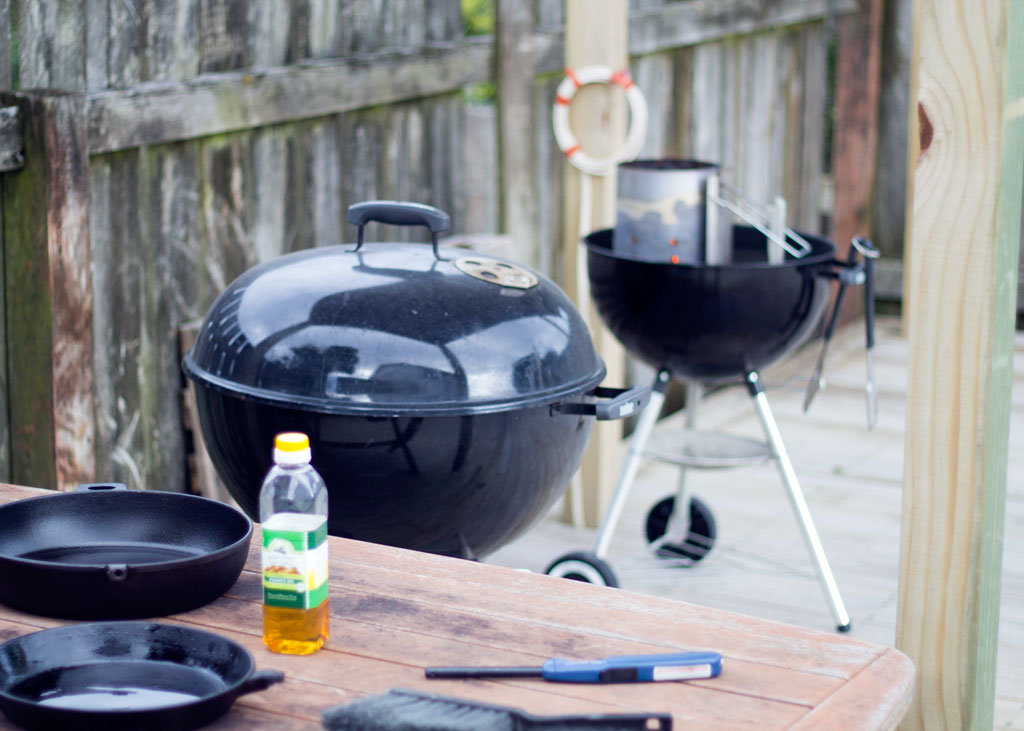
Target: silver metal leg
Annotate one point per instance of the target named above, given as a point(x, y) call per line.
point(796, 499)
point(637, 443)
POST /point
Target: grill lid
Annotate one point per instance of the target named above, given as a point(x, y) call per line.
point(395, 329)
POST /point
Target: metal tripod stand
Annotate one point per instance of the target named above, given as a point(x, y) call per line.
point(689, 534)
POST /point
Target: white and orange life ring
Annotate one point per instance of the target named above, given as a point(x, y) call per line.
point(567, 141)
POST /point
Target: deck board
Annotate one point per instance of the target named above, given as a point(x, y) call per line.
point(852, 479)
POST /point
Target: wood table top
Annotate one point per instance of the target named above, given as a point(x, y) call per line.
point(395, 612)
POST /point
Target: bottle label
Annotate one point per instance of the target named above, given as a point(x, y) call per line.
point(295, 561)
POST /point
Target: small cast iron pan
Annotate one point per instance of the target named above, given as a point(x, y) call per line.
point(106, 552)
point(124, 675)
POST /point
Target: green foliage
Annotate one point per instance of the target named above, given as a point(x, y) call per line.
point(478, 16)
point(482, 93)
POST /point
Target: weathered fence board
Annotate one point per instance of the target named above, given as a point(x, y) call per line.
point(117, 279)
point(5, 42)
point(672, 25)
point(48, 296)
point(11, 140)
point(217, 103)
point(165, 217)
point(888, 223)
point(50, 43)
point(516, 70)
point(858, 54)
point(804, 187)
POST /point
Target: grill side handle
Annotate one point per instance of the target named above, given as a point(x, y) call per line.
point(858, 270)
point(620, 403)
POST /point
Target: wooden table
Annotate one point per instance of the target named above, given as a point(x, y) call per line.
point(394, 612)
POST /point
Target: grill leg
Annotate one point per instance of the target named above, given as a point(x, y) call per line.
point(796, 499)
point(637, 443)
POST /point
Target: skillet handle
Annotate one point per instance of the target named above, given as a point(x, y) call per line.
point(260, 680)
point(622, 402)
point(101, 487)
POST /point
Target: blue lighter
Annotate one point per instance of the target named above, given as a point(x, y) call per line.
point(615, 669)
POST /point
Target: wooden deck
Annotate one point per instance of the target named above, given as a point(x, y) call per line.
point(852, 479)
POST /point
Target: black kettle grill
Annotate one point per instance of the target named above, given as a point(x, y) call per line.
point(448, 397)
point(712, 323)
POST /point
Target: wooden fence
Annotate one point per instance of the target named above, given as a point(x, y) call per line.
point(151, 152)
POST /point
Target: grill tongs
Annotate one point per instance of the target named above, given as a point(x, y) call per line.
point(858, 269)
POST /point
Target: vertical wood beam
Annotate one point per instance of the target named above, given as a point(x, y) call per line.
point(596, 34)
point(48, 286)
point(966, 233)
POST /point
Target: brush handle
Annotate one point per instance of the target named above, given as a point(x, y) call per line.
point(594, 721)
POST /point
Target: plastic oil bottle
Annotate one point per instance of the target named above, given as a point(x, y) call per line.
point(293, 512)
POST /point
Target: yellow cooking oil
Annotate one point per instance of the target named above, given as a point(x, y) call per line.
point(293, 513)
point(296, 631)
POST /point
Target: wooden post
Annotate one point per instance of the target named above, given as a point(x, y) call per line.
point(596, 34)
point(966, 229)
point(49, 295)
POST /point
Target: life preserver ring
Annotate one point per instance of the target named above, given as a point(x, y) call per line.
point(567, 141)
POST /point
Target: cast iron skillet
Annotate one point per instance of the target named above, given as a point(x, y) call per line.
point(106, 552)
point(124, 675)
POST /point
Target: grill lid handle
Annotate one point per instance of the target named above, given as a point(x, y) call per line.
point(399, 213)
